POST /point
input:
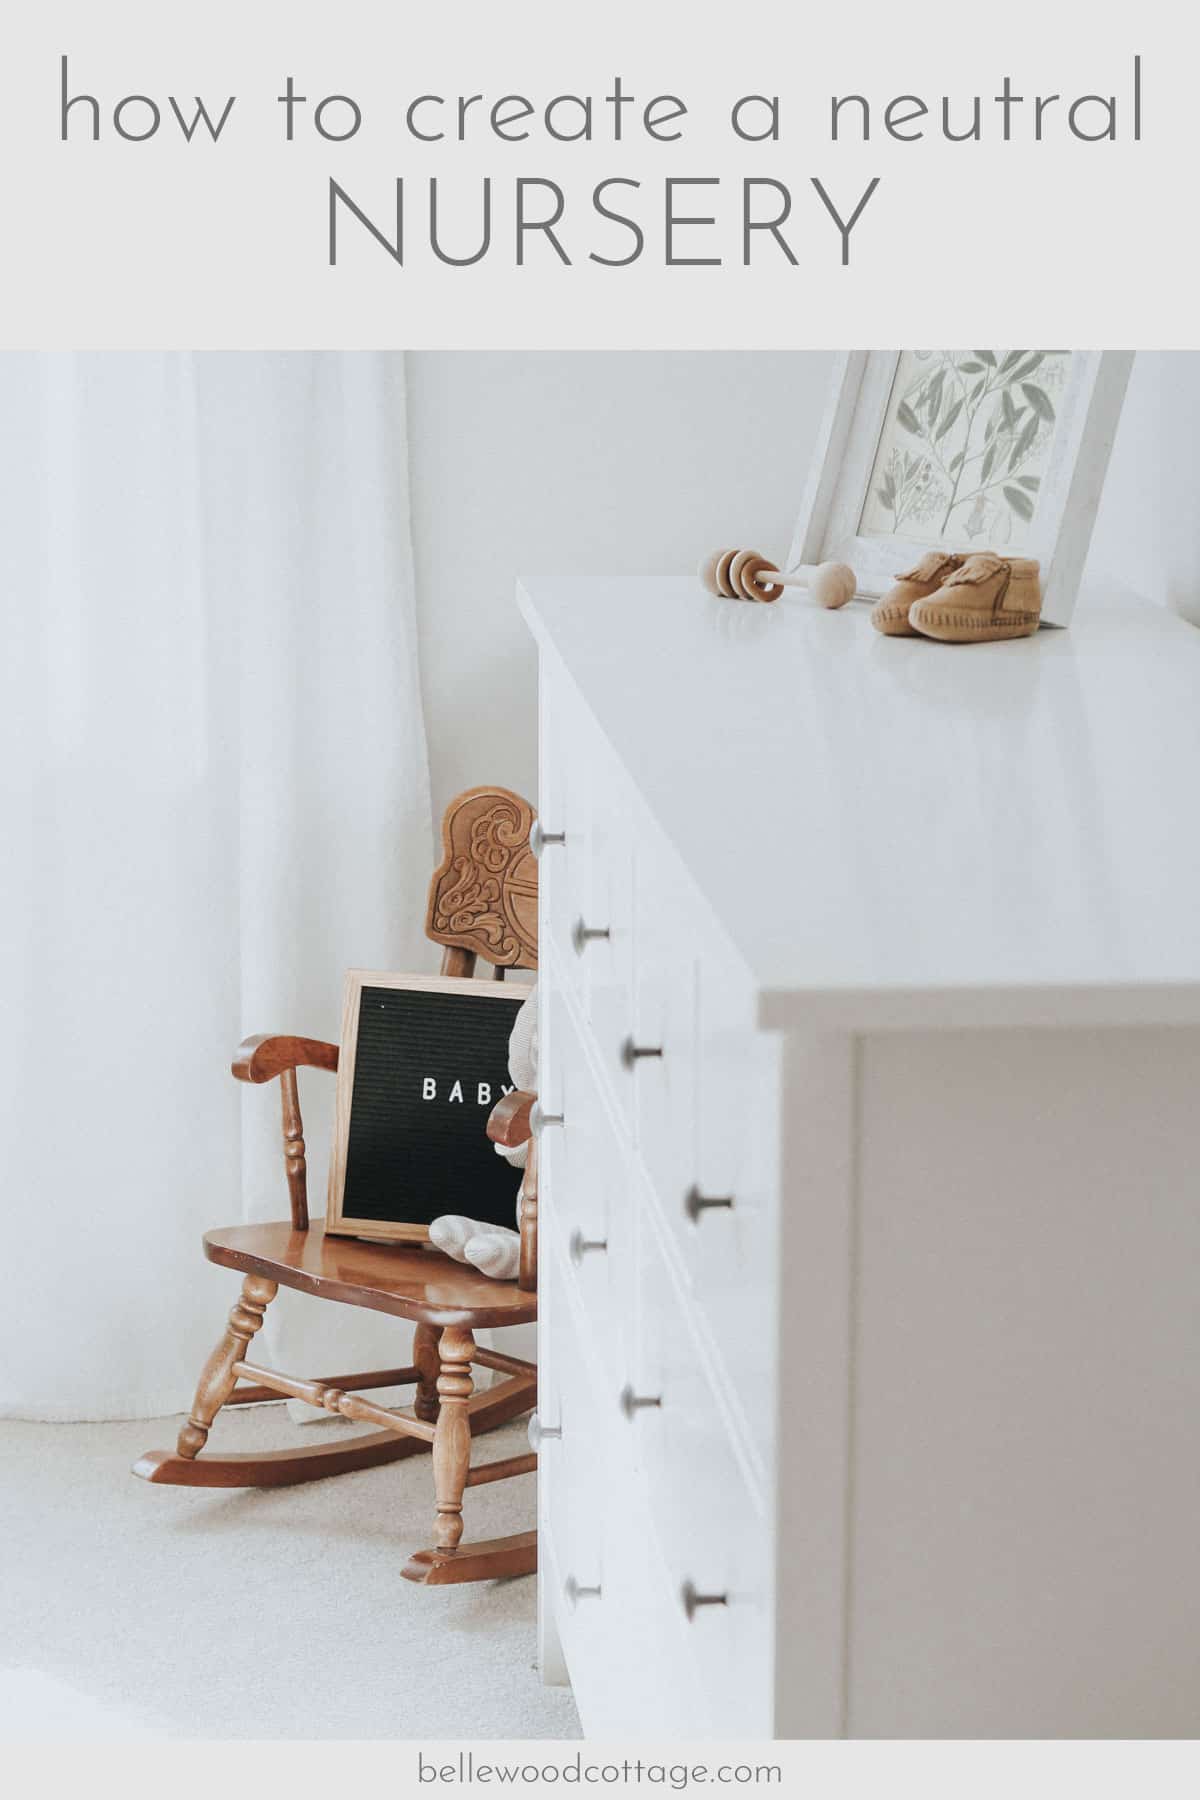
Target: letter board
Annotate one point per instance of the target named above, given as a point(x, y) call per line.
point(423, 1060)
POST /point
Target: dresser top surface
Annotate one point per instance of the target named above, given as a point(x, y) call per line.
point(898, 833)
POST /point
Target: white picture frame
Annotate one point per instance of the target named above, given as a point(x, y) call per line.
point(1066, 405)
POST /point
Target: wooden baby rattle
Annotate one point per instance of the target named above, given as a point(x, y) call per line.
point(744, 575)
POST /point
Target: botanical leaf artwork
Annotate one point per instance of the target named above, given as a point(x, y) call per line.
point(965, 443)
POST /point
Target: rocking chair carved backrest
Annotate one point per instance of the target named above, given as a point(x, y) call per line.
point(482, 903)
point(483, 897)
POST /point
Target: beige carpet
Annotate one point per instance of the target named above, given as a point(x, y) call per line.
point(185, 1613)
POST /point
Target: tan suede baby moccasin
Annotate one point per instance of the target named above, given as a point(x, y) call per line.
point(890, 615)
point(989, 597)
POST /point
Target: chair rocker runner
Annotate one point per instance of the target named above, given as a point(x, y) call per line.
point(482, 903)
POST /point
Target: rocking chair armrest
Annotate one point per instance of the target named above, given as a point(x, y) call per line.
point(508, 1122)
point(510, 1125)
point(264, 1057)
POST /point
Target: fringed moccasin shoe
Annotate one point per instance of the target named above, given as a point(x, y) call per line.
point(890, 615)
point(989, 597)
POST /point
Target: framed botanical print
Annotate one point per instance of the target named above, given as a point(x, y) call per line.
point(965, 450)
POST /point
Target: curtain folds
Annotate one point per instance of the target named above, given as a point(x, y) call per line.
point(214, 798)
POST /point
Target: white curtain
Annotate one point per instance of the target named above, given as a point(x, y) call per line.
point(214, 800)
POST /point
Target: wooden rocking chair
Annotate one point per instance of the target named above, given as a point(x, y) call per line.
point(482, 903)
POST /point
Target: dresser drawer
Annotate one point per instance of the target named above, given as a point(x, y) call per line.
point(706, 1114)
point(623, 1641)
point(710, 1522)
point(632, 1670)
point(708, 1118)
point(728, 1248)
point(586, 1208)
point(662, 1050)
point(572, 1460)
point(565, 814)
point(607, 960)
point(586, 914)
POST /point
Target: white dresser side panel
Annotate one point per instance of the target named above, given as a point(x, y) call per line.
point(1026, 1482)
point(814, 1272)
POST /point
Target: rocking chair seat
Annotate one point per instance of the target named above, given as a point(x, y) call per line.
point(411, 1281)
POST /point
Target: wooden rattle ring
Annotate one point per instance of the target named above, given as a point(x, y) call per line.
point(714, 574)
point(748, 577)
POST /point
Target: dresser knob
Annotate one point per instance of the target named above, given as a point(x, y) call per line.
point(632, 1054)
point(692, 1601)
point(538, 1120)
point(539, 839)
point(582, 935)
point(632, 1404)
point(579, 1246)
point(696, 1204)
point(575, 1593)
point(538, 1433)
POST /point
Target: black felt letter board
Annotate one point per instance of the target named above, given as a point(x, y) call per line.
point(429, 1067)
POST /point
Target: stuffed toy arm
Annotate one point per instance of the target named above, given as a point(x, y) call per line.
point(523, 1068)
point(492, 1249)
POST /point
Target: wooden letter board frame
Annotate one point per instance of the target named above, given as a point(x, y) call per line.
point(337, 1222)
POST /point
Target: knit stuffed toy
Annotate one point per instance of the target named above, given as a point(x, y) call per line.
point(493, 1249)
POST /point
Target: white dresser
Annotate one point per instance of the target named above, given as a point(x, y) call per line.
point(870, 1280)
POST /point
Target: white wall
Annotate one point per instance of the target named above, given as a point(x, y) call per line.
point(588, 463)
point(603, 463)
point(1147, 534)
